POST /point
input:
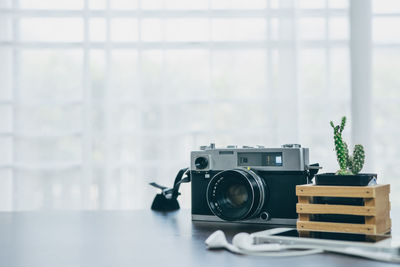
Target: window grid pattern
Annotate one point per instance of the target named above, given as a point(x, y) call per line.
point(386, 93)
point(136, 90)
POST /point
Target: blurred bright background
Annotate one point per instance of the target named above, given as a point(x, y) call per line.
point(100, 97)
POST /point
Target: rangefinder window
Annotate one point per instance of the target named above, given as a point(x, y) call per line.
point(270, 159)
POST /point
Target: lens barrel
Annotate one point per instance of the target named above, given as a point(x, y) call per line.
point(236, 195)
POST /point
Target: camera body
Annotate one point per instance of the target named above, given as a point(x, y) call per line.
point(247, 184)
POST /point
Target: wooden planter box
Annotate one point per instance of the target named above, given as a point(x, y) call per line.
point(374, 209)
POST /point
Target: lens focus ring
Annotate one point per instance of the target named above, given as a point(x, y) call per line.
point(235, 195)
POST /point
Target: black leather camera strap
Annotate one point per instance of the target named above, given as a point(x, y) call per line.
point(167, 199)
point(312, 171)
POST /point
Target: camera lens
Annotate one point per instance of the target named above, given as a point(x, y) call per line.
point(235, 195)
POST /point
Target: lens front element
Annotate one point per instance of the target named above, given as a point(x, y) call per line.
point(235, 195)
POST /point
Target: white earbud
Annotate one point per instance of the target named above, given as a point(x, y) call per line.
point(245, 241)
point(218, 240)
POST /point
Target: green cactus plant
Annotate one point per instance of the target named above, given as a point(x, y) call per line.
point(358, 159)
point(348, 164)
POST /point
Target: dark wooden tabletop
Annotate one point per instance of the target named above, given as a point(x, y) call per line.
point(130, 238)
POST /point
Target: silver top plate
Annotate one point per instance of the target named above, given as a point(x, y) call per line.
point(285, 158)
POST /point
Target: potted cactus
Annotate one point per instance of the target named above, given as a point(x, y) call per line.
point(349, 165)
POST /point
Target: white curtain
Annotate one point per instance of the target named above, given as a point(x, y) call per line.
point(98, 98)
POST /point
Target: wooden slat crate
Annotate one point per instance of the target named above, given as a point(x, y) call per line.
point(375, 209)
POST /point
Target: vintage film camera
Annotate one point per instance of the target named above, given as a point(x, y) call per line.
point(247, 184)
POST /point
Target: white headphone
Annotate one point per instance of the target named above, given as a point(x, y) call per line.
point(243, 243)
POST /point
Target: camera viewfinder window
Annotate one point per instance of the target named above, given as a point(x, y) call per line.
point(260, 159)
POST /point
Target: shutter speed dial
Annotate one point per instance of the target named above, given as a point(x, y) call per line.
point(201, 163)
